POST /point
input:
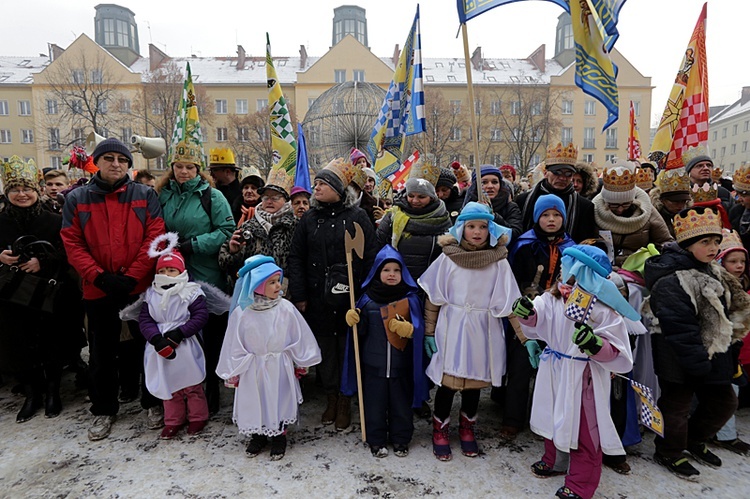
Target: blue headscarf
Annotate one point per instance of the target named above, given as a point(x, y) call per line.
point(478, 211)
point(591, 268)
point(256, 270)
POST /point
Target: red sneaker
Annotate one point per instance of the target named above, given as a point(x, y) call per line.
point(195, 427)
point(169, 432)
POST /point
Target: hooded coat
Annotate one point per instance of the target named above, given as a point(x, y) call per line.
point(579, 222)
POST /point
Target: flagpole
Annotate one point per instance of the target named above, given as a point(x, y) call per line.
point(475, 135)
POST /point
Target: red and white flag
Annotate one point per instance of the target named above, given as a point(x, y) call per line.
point(634, 140)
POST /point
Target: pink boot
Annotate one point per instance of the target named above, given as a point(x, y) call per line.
point(469, 446)
point(440, 439)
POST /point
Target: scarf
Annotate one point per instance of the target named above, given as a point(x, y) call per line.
point(433, 219)
point(624, 224)
point(469, 256)
point(168, 287)
point(552, 250)
point(268, 220)
point(262, 302)
point(24, 217)
point(568, 195)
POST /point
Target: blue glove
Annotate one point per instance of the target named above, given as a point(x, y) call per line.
point(430, 346)
point(534, 350)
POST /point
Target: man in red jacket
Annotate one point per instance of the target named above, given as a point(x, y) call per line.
point(108, 225)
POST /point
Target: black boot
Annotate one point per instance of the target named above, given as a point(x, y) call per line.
point(52, 402)
point(32, 403)
point(212, 395)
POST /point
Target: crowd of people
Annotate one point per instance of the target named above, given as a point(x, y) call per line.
point(212, 278)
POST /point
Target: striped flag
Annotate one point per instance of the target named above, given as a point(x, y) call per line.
point(402, 112)
point(282, 132)
point(398, 179)
point(685, 120)
point(634, 140)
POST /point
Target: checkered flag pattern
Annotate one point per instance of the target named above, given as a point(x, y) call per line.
point(650, 415)
point(579, 305)
point(693, 129)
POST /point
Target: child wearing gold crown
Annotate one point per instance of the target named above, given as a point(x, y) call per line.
point(699, 313)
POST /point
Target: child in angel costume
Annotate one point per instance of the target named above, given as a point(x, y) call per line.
point(470, 287)
point(581, 320)
point(266, 337)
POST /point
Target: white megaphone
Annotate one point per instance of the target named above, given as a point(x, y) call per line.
point(92, 140)
point(149, 147)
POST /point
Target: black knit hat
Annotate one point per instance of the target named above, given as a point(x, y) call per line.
point(333, 180)
point(112, 145)
point(446, 178)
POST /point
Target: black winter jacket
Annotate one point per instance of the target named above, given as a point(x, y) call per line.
point(507, 213)
point(580, 222)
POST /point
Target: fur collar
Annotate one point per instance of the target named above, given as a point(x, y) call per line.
point(607, 220)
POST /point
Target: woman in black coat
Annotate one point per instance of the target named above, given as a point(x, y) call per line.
point(507, 213)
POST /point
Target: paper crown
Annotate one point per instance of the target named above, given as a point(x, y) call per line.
point(716, 172)
point(644, 178)
point(280, 178)
point(250, 171)
point(461, 172)
point(619, 176)
point(359, 178)
point(693, 152)
point(220, 157)
point(343, 169)
point(186, 152)
point(731, 240)
point(741, 178)
point(426, 170)
point(675, 180)
point(694, 222)
point(562, 155)
point(704, 193)
point(18, 173)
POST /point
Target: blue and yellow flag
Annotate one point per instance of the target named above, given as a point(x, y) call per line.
point(402, 112)
point(282, 132)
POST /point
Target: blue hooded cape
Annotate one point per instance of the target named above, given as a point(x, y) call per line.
point(349, 374)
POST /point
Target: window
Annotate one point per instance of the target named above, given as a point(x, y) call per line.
point(240, 106)
point(588, 158)
point(339, 75)
point(263, 133)
point(515, 107)
point(358, 75)
point(724, 133)
point(56, 162)
point(538, 134)
point(455, 106)
point(101, 106)
point(716, 135)
point(734, 129)
point(27, 136)
point(77, 107)
point(744, 129)
point(78, 76)
point(471, 161)
point(733, 149)
point(477, 107)
point(430, 78)
point(160, 163)
point(96, 76)
point(243, 134)
point(497, 159)
point(109, 32)
point(24, 108)
point(156, 108)
point(439, 65)
point(451, 78)
point(589, 142)
point(611, 139)
point(104, 132)
point(52, 106)
point(4, 136)
point(536, 159)
point(517, 134)
point(566, 135)
point(242, 159)
point(496, 135)
point(455, 133)
point(53, 135)
point(338, 106)
point(221, 106)
point(637, 107)
point(744, 146)
point(567, 106)
point(125, 134)
point(610, 158)
point(3, 108)
point(723, 152)
point(496, 108)
point(589, 108)
point(536, 108)
point(79, 135)
point(221, 134)
point(124, 106)
point(261, 104)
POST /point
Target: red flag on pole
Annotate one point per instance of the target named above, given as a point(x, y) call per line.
point(634, 139)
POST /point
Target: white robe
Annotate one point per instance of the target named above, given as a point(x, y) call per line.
point(469, 332)
point(559, 382)
point(164, 376)
point(262, 348)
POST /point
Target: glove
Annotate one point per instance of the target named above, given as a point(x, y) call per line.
point(401, 327)
point(352, 317)
point(174, 336)
point(163, 347)
point(114, 284)
point(299, 372)
point(523, 307)
point(534, 350)
point(739, 378)
point(186, 247)
point(377, 212)
point(430, 346)
point(232, 382)
point(587, 341)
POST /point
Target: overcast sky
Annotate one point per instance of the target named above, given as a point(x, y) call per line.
point(653, 33)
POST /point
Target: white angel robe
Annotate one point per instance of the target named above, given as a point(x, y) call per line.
point(469, 331)
point(164, 376)
point(556, 407)
point(262, 347)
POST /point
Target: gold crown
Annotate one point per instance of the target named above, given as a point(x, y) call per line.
point(675, 180)
point(562, 155)
point(359, 178)
point(221, 157)
point(731, 240)
point(704, 193)
point(618, 179)
point(280, 178)
point(741, 178)
point(250, 171)
point(343, 169)
point(693, 223)
point(644, 178)
point(18, 173)
point(716, 173)
point(426, 170)
point(186, 152)
point(693, 152)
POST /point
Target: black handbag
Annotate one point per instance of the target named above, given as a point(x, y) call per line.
point(27, 290)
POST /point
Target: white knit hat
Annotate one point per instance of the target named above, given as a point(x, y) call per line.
point(618, 182)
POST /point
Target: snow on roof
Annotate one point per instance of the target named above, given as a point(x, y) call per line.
point(14, 70)
point(731, 111)
point(496, 71)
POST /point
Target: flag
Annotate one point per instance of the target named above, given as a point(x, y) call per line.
point(187, 127)
point(302, 174)
point(579, 305)
point(650, 415)
point(402, 112)
point(468, 9)
point(685, 120)
point(634, 140)
point(398, 179)
point(282, 133)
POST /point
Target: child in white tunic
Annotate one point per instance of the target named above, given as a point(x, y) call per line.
point(571, 396)
point(265, 338)
point(172, 315)
point(472, 285)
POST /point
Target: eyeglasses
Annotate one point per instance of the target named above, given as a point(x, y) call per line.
point(562, 173)
point(120, 159)
point(614, 206)
point(275, 199)
point(16, 191)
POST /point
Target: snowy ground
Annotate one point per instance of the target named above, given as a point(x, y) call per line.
point(54, 458)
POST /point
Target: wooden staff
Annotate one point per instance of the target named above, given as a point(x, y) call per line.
point(357, 245)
